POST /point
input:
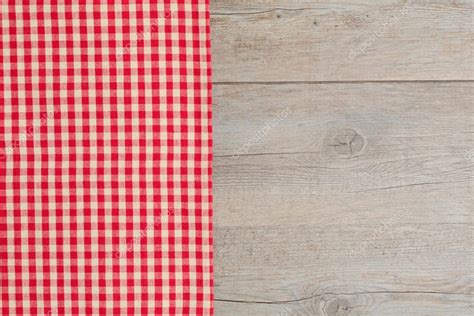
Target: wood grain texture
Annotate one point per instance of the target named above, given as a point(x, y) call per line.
point(344, 199)
point(343, 165)
point(323, 40)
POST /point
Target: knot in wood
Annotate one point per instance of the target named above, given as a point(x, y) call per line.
point(347, 143)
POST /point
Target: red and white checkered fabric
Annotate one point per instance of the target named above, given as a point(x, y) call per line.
point(105, 157)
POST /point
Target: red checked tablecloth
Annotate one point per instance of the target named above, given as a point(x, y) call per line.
point(105, 152)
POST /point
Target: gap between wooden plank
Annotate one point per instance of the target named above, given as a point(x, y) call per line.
point(337, 82)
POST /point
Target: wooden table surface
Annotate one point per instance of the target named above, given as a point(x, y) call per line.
point(343, 157)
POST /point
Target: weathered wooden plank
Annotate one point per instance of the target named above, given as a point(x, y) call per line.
point(408, 139)
point(357, 197)
point(286, 263)
point(391, 304)
point(303, 40)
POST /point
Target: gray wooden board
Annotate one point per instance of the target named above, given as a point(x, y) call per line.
point(343, 198)
point(342, 194)
point(309, 40)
